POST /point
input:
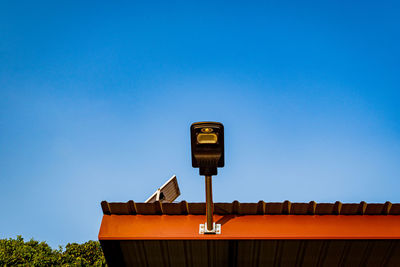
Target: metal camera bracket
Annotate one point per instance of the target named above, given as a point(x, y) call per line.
point(216, 229)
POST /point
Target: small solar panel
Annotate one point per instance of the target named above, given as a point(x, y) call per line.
point(167, 193)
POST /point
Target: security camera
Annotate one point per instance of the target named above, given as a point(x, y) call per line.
point(207, 140)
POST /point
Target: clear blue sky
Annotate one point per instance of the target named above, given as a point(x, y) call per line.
point(96, 101)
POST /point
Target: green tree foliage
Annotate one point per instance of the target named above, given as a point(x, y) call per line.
point(33, 253)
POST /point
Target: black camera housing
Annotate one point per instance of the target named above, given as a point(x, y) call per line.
point(207, 140)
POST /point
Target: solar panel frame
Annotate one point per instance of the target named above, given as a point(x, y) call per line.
point(169, 189)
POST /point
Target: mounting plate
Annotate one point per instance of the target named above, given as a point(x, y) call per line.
point(216, 229)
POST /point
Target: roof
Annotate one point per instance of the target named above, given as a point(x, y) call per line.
point(253, 234)
point(259, 208)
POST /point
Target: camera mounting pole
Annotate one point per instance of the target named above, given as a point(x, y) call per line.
point(209, 204)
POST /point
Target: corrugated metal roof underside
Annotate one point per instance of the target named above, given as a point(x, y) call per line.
point(259, 208)
point(252, 252)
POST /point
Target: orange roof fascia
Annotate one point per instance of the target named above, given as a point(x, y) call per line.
point(170, 227)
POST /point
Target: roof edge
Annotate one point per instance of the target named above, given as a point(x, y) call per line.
point(258, 208)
